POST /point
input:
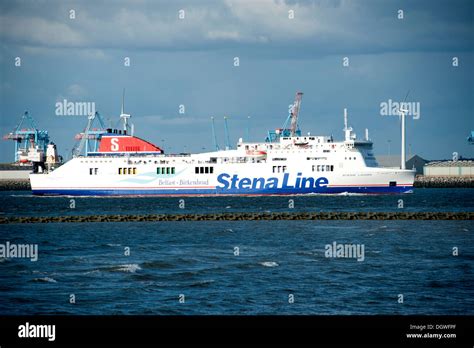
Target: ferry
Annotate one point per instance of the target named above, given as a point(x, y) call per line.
point(285, 163)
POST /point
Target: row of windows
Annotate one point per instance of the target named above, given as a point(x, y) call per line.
point(316, 158)
point(279, 169)
point(165, 170)
point(323, 168)
point(93, 171)
point(124, 171)
point(203, 170)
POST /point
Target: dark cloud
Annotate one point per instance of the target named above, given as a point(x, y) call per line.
point(190, 62)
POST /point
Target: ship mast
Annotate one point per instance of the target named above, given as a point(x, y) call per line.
point(125, 116)
point(294, 113)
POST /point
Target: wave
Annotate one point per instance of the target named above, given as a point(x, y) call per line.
point(127, 268)
point(269, 264)
point(351, 194)
point(45, 280)
point(132, 268)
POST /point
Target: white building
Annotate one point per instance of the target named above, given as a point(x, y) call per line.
point(464, 168)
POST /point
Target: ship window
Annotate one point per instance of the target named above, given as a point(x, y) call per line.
point(120, 171)
point(206, 170)
point(392, 183)
point(129, 170)
point(196, 170)
point(172, 170)
point(167, 170)
point(327, 168)
point(211, 170)
point(201, 170)
point(134, 170)
point(96, 170)
point(332, 168)
point(90, 171)
point(284, 169)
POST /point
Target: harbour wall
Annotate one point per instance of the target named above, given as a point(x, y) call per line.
point(242, 216)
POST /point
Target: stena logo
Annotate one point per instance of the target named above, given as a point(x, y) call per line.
point(228, 182)
point(114, 144)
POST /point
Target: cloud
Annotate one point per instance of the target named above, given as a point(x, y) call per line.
point(318, 27)
point(37, 31)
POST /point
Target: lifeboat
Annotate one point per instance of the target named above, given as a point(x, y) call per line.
point(256, 153)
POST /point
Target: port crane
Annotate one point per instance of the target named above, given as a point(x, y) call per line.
point(26, 137)
point(293, 131)
point(90, 137)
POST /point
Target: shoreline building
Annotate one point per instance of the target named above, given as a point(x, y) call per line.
point(463, 168)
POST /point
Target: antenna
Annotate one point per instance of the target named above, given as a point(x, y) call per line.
point(214, 139)
point(123, 115)
point(348, 136)
point(226, 130)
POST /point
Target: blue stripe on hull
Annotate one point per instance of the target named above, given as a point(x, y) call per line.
point(217, 191)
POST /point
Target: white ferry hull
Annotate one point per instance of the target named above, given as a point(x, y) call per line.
point(249, 179)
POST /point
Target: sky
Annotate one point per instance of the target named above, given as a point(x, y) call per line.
point(175, 56)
